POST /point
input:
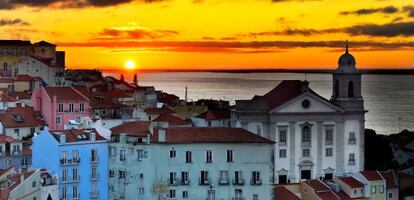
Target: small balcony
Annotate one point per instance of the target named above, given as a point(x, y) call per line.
point(256, 181)
point(76, 196)
point(306, 145)
point(73, 179)
point(352, 141)
point(94, 194)
point(185, 181)
point(172, 182)
point(282, 143)
point(224, 181)
point(67, 162)
point(205, 181)
point(238, 181)
point(94, 177)
point(328, 142)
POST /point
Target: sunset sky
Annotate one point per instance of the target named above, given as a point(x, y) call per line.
point(216, 34)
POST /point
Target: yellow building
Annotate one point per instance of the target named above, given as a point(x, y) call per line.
point(11, 52)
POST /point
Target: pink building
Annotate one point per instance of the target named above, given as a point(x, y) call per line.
point(58, 105)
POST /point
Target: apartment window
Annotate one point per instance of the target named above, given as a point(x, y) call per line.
point(64, 175)
point(75, 156)
point(224, 177)
point(352, 138)
point(75, 193)
point(94, 172)
point(94, 155)
point(81, 107)
point(389, 195)
point(141, 190)
point(329, 136)
point(172, 194)
point(204, 177)
point(122, 155)
point(121, 174)
point(381, 189)
point(188, 158)
point(16, 132)
point(78, 119)
point(60, 107)
point(173, 178)
point(71, 107)
point(63, 157)
point(256, 178)
point(282, 153)
point(373, 189)
point(8, 162)
point(33, 184)
point(306, 152)
point(229, 155)
point(58, 120)
point(282, 137)
point(184, 177)
point(64, 192)
point(140, 155)
point(141, 176)
point(185, 194)
point(75, 174)
point(306, 134)
point(329, 152)
point(255, 197)
point(238, 177)
point(173, 153)
point(209, 156)
point(351, 159)
point(111, 173)
point(112, 151)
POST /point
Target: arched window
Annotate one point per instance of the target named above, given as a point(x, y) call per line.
point(350, 89)
point(306, 134)
point(5, 67)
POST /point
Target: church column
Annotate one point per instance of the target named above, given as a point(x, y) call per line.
point(292, 151)
point(319, 145)
point(340, 147)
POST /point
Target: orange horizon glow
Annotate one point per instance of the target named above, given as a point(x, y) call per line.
point(219, 35)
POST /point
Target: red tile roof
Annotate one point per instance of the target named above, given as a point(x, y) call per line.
point(3, 171)
point(6, 80)
point(15, 181)
point(136, 128)
point(171, 119)
point(100, 100)
point(215, 115)
point(328, 195)
point(28, 118)
point(372, 175)
point(24, 78)
point(77, 135)
point(210, 135)
point(8, 139)
point(159, 110)
point(284, 194)
point(390, 179)
point(317, 185)
point(64, 94)
point(351, 182)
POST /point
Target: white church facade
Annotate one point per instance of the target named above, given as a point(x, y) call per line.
point(315, 137)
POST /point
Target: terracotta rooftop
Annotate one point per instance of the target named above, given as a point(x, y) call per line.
point(317, 185)
point(159, 110)
point(24, 78)
point(64, 93)
point(77, 135)
point(330, 195)
point(215, 115)
point(8, 139)
point(136, 128)
point(210, 135)
point(171, 119)
point(372, 175)
point(351, 182)
point(21, 117)
point(283, 193)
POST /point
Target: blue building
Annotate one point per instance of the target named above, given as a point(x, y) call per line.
point(79, 158)
point(14, 153)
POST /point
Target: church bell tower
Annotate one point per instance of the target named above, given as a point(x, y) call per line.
point(346, 84)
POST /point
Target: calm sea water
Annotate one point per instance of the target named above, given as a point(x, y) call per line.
point(389, 98)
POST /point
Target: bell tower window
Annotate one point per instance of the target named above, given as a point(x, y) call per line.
point(350, 89)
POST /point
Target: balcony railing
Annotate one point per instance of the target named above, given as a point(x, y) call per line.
point(205, 181)
point(185, 181)
point(328, 142)
point(306, 144)
point(94, 177)
point(352, 141)
point(238, 181)
point(73, 179)
point(94, 159)
point(224, 181)
point(351, 162)
point(256, 181)
point(94, 194)
point(74, 161)
point(172, 182)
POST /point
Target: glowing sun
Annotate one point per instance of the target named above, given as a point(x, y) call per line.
point(130, 64)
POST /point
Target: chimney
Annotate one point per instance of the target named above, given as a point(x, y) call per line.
point(62, 138)
point(161, 135)
point(92, 136)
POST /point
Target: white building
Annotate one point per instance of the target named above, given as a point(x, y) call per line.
point(316, 137)
point(43, 68)
point(212, 118)
point(189, 163)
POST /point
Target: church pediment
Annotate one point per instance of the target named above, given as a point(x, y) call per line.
point(307, 103)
